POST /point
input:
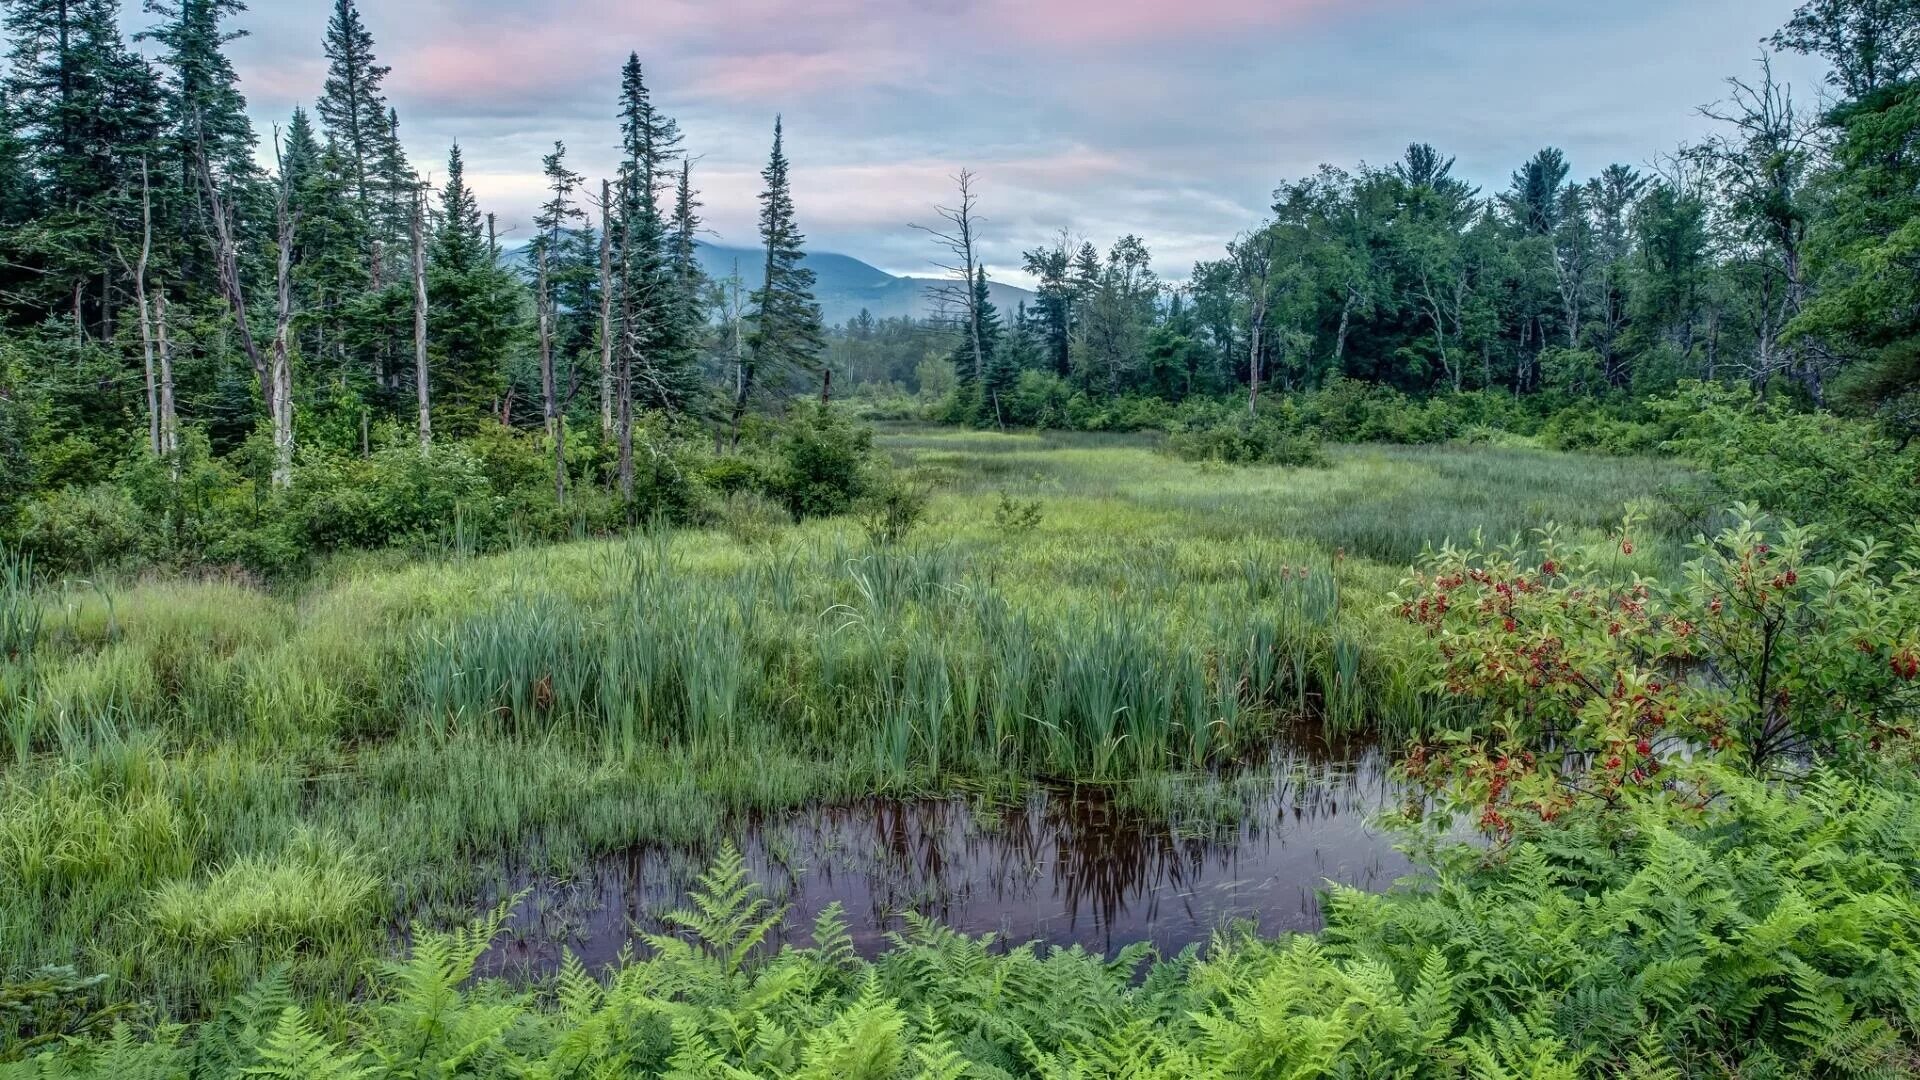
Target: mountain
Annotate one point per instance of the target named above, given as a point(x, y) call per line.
point(844, 285)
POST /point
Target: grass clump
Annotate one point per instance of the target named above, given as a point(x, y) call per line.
point(315, 888)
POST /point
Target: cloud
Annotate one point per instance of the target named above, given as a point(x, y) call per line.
point(1174, 121)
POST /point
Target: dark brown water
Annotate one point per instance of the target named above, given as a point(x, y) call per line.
point(1062, 866)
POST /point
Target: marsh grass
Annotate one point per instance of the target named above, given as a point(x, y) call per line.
point(206, 780)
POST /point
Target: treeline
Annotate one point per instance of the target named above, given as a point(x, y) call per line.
point(1779, 252)
point(159, 288)
point(171, 307)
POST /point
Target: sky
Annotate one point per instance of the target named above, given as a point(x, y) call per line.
point(1171, 120)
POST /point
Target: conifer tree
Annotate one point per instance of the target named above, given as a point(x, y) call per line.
point(207, 112)
point(647, 350)
point(352, 108)
point(552, 224)
point(86, 111)
point(330, 275)
point(787, 333)
point(17, 194)
point(690, 286)
point(470, 310)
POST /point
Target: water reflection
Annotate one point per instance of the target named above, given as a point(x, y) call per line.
point(1062, 866)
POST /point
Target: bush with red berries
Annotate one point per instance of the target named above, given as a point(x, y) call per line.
point(1596, 684)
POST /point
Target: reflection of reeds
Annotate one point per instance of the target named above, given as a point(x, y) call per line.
point(1096, 865)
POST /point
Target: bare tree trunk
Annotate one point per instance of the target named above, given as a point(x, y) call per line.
point(629, 349)
point(606, 309)
point(282, 374)
point(1254, 333)
point(826, 385)
point(960, 238)
point(420, 374)
point(230, 285)
point(742, 371)
point(169, 418)
point(146, 320)
point(1340, 335)
point(549, 393)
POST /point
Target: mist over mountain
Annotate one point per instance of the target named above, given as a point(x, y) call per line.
point(845, 285)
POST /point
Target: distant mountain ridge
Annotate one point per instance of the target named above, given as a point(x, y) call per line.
point(845, 286)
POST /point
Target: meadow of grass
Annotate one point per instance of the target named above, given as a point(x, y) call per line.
point(204, 779)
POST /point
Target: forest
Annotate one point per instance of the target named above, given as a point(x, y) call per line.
point(1450, 633)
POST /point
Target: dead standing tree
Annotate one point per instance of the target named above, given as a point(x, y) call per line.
point(958, 299)
point(606, 308)
point(422, 385)
point(162, 425)
point(275, 378)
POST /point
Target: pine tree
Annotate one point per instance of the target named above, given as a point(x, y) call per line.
point(208, 114)
point(470, 310)
point(787, 333)
point(690, 287)
point(552, 226)
point(352, 108)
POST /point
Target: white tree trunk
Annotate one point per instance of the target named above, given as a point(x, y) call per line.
point(420, 373)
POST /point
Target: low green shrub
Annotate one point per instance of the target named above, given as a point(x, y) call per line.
point(80, 529)
point(1242, 439)
point(824, 462)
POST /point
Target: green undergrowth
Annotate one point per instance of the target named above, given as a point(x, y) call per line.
point(1778, 936)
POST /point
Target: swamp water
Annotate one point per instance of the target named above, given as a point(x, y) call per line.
point(1062, 866)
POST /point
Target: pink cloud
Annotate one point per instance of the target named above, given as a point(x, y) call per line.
point(764, 75)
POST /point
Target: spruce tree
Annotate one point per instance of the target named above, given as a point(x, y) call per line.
point(651, 352)
point(330, 266)
point(470, 311)
point(207, 112)
point(85, 111)
point(690, 286)
point(352, 108)
point(18, 197)
point(554, 244)
point(787, 333)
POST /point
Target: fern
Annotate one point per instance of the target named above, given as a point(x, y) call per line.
point(294, 1051)
point(729, 918)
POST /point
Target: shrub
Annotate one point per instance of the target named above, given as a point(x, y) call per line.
point(1599, 684)
point(1242, 439)
point(893, 510)
point(82, 528)
point(825, 462)
point(1016, 515)
point(1808, 466)
point(728, 474)
point(399, 496)
point(1038, 399)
